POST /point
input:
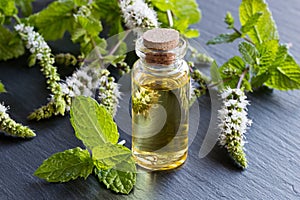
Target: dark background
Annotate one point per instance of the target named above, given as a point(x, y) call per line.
point(272, 151)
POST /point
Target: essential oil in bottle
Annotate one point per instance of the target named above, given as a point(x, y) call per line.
point(160, 100)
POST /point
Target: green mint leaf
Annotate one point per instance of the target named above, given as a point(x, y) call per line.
point(109, 155)
point(265, 28)
point(224, 38)
point(86, 33)
point(229, 20)
point(54, 20)
point(248, 52)
point(2, 18)
point(232, 70)
point(259, 80)
point(110, 13)
point(185, 13)
point(25, 6)
point(11, 45)
point(121, 178)
point(91, 25)
point(81, 2)
point(191, 33)
point(215, 75)
point(267, 54)
point(66, 166)
point(92, 123)
point(2, 88)
point(251, 22)
point(113, 60)
point(8, 8)
point(284, 72)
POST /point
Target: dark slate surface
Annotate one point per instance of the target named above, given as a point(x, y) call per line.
point(273, 148)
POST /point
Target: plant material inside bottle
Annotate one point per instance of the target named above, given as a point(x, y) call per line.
point(160, 109)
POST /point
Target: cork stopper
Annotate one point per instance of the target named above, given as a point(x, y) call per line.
point(161, 40)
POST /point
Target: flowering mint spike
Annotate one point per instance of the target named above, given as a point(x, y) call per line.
point(234, 124)
point(198, 85)
point(137, 14)
point(42, 52)
point(11, 127)
point(108, 92)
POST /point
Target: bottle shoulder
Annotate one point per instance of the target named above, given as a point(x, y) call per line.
point(171, 77)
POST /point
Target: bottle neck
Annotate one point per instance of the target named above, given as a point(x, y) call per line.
point(159, 60)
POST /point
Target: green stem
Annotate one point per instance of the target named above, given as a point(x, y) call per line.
point(17, 19)
point(242, 77)
point(245, 38)
point(170, 18)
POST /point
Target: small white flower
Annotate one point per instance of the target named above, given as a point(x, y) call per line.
point(3, 108)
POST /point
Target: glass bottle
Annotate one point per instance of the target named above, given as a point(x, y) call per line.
point(160, 100)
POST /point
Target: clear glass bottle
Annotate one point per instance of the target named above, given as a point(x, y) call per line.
point(160, 100)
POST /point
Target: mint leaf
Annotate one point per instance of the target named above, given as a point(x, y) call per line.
point(249, 52)
point(25, 6)
point(8, 8)
point(229, 20)
point(224, 38)
point(232, 70)
point(185, 13)
point(55, 20)
point(251, 22)
point(215, 75)
point(90, 24)
point(267, 54)
point(284, 72)
point(191, 33)
point(66, 166)
point(11, 45)
point(92, 123)
point(109, 155)
point(81, 2)
point(110, 13)
point(265, 28)
point(259, 80)
point(121, 178)
point(2, 88)
point(86, 33)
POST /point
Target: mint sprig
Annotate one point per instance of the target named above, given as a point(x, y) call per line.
point(266, 60)
point(263, 61)
point(112, 163)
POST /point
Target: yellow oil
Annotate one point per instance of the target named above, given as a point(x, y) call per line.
point(160, 114)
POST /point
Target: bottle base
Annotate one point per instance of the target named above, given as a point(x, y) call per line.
point(159, 162)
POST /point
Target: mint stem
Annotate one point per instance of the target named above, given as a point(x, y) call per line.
point(245, 38)
point(17, 19)
point(242, 77)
